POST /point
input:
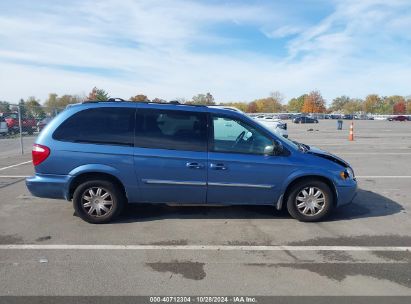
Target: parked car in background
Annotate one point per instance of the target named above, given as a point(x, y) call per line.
point(29, 124)
point(3, 126)
point(104, 155)
point(304, 119)
point(274, 124)
point(398, 118)
point(42, 123)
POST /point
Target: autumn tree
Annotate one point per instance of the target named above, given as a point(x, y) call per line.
point(371, 103)
point(242, 106)
point(314, 103)
point(98, 95)
point(268, 105)
point(408, 106)
point(55, 104)
point(400, 107)
point(139, 98)
point(296, 104)
point(252, 107)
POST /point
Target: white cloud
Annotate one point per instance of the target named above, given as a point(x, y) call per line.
point(150, 47)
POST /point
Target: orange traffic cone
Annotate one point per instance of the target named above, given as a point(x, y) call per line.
point(351, 137)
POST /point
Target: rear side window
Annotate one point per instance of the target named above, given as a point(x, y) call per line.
point(172, 130)
point(110, 126)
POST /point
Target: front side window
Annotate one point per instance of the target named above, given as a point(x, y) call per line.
point(172, 130)
point(235, 136)
point(111, 126)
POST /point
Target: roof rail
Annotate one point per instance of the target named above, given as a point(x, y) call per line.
point(115, 99)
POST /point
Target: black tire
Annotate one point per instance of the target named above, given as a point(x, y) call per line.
point(297, 189)
point(116, 196)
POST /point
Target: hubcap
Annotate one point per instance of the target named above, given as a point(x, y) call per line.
point(310, 201)
point(97, 201)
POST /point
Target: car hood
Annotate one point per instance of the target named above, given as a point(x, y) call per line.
point(324, 154)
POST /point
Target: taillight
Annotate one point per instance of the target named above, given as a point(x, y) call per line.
point(39, 153)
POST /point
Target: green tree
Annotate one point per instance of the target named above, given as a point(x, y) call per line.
point(352, 106)
point(34, 109)
point(296, 104)
point(339, 103)
point(202, 99)
point(22, 106)
point(98, 95)
point(4, 107)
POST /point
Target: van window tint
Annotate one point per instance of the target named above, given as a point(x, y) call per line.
point(111, 126)
point(235, 136)
point(173, 130)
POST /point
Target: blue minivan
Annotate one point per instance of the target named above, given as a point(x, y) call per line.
point(103, 155)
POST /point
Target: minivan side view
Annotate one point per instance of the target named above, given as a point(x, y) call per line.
point(104, 155)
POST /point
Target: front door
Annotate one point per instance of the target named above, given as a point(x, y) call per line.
point(170, 156)
point(239, 171)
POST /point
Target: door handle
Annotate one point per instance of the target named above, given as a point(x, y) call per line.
point(218, 166)
point(194, 165)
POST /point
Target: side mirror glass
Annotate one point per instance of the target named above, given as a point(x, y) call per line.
point(275, 149)
point(269, 150)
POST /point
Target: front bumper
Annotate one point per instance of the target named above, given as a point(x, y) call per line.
point(346, 194)
point(48, 185)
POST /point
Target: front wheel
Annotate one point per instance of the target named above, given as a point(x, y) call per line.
point(310, 201)
point(98, 201)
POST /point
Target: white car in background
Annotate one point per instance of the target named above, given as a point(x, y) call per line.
point(271, 122)
point(3, 126)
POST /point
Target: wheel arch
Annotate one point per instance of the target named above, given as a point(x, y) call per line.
point(86, 176)
point(288, 188)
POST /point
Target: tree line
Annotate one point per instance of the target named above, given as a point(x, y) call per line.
point(312, 102)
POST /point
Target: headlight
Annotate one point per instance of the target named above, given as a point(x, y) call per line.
point(350, 172)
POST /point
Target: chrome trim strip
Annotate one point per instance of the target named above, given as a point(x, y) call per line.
point(173, 182)
point(242, 185)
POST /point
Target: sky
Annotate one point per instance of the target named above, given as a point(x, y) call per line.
point(236, 50)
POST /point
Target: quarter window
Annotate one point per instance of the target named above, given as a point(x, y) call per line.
point(108, 125)
point(172, 130)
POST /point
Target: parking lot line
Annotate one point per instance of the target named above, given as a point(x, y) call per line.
point(203, 247)
point(14, 176)
point(16, 165)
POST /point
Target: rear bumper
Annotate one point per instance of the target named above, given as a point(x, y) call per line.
point(48, 186)
point(346, 194)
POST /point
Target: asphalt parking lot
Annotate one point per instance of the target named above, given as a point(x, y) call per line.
point(163, 250)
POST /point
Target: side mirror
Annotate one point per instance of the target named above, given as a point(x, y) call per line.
point(275, 149)
point(269, 150)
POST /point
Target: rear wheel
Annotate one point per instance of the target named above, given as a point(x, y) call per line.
point(310, 201)
point(98, 201)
